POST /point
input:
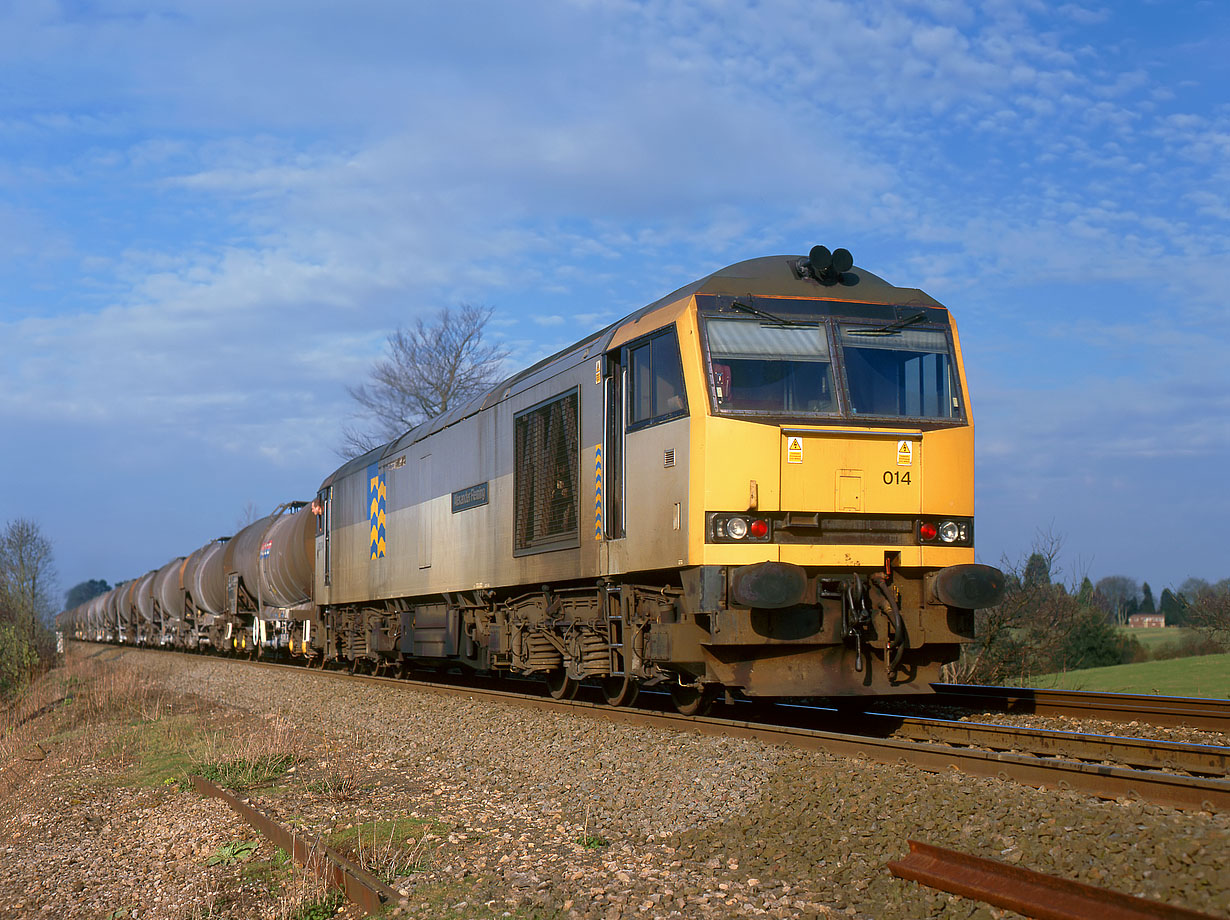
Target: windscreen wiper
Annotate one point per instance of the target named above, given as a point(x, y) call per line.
point(891, 328)
point(763, 314)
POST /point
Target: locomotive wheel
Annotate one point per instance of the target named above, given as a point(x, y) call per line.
point(620, 690)
point(561, 686)
point(692, 701)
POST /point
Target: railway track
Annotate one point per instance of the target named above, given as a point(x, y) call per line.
point(1167, 711)
point(1183, 776)
point(1139, 753)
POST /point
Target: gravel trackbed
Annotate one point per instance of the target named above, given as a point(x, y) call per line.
point(535, 815)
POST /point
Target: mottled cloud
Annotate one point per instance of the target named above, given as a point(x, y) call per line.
point(215, 211)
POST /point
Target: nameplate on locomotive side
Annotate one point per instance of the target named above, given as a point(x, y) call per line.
point(470, 498)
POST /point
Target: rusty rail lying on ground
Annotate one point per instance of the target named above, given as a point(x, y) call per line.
point(360, 886)
point(1033, 894)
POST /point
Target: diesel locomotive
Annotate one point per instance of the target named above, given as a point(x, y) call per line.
point(761, 483)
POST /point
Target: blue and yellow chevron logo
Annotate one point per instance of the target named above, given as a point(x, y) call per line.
point(597, 493)
point(376, 499)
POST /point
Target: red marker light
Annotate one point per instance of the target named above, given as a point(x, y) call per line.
point(759, 529)
point(927, 531)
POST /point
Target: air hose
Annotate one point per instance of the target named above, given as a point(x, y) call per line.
point(892, 611)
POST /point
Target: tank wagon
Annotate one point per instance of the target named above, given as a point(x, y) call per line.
point(761, 483)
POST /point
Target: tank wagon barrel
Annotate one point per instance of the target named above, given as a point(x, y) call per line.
point(241, 557)
point(168, 598)
point(288, 559)
point(143, 599)
point(761, 483)
point(205, 578)
point(111, 613)
point(127, 611)
point(102, 629)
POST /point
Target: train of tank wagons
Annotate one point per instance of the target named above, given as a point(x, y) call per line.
point(762, 484)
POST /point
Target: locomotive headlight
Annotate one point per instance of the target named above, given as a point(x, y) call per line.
point(949, 532)
point(736, 528)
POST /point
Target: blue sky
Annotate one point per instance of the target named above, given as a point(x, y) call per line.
point(212, 212)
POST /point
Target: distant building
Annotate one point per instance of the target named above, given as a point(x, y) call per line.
point(1138, 620)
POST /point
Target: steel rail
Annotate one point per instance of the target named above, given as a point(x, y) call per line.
point(1168, 711)
point(1033, 894)
point(1149, 754)
point(359, 885)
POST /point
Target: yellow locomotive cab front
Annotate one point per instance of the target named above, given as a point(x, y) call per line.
point(835, 472)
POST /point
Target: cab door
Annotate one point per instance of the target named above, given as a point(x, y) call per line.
point(609, 474)
point(323, 507)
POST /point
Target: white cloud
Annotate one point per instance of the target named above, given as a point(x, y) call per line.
point(245, 197)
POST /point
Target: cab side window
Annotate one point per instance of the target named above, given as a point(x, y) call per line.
point(655, 373)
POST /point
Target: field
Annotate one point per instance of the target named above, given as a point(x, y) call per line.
point(1154, 638)
point(1206, 675)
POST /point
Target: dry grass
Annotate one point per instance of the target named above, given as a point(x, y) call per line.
point(252, 758)
point(104, 709)
point(297, 893)
point(65, 704)
point(339, 771)
point(101, 706)
point(391, 850)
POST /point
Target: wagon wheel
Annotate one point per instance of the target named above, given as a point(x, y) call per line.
point(561, 686)
point(693, 701)
point(620, 690)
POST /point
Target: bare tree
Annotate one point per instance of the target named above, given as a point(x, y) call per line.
point(1040, 626)
point(1114, 594)
point(27, 574)
point(1209, 610)
point(247, 516)
point(431, 367)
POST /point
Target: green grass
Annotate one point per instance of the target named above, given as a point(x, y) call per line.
point(389, 849)
point(399, 831)
point(1206, 675)
point(160, 752)
point(229, 854)
point(1153, 637)
point(244, 773)
point(165, 751)
point(322, 908)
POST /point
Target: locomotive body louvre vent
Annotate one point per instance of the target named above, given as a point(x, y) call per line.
point(668, 457)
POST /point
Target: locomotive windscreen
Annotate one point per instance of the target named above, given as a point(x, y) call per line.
point(823, 368)
point(905, 374)
point(778, 369)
